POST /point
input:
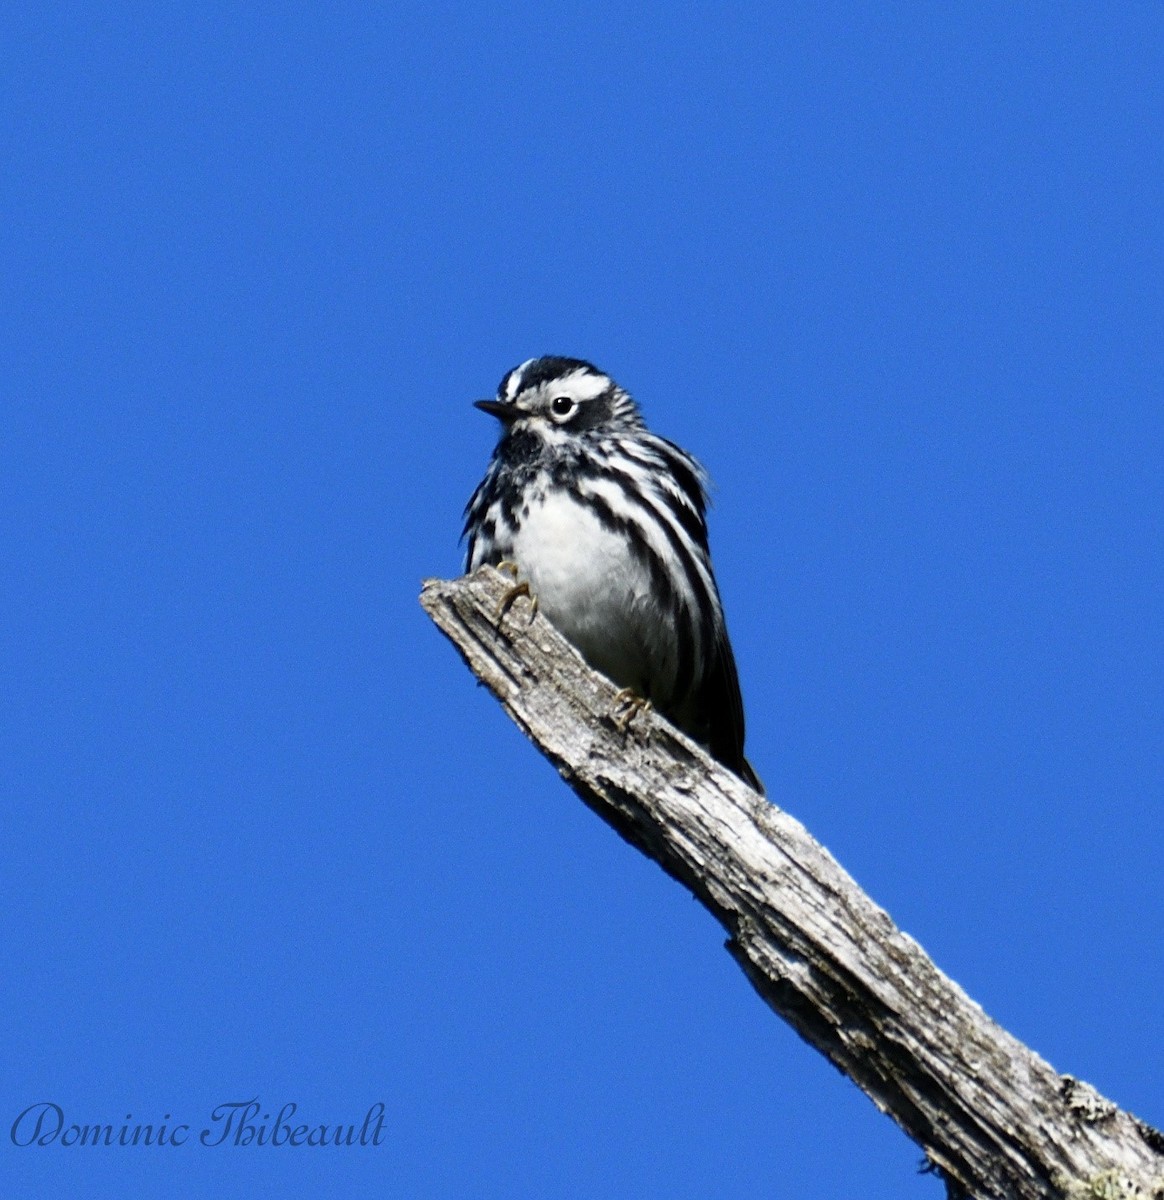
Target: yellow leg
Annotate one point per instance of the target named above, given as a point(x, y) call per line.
point(631, 704)
point(520, 588)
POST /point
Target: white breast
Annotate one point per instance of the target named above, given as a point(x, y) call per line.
point(592, 588)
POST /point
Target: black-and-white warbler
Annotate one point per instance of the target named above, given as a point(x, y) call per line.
point(605, 524)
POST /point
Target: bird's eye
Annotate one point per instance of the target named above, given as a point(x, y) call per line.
point(561, 406)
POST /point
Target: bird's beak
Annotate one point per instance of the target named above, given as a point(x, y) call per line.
point(505, 413)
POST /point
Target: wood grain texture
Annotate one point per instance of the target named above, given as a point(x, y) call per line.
point(988, 1112)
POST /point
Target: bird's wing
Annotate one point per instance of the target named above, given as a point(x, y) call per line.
point(725, 712)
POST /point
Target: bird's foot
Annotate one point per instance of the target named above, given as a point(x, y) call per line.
point(520, 588)
point(628, 704)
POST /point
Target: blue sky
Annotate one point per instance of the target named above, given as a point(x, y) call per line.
point(893, 272)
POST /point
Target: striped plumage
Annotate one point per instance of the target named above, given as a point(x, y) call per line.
point(606, 522)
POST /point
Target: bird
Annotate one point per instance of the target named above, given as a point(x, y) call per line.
point(604, 525)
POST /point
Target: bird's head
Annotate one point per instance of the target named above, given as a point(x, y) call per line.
point(556, 398)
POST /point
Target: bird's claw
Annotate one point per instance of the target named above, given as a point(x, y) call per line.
point(628, 704)
point(521, 588)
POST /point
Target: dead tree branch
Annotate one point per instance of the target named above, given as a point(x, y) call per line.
point(991, 1115)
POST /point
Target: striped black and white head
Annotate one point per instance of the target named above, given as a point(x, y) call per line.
point(557, 398)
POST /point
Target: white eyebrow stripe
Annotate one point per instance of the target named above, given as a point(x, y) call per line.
point(580, 385)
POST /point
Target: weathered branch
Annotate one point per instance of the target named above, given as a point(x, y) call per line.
point(991, 1115)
